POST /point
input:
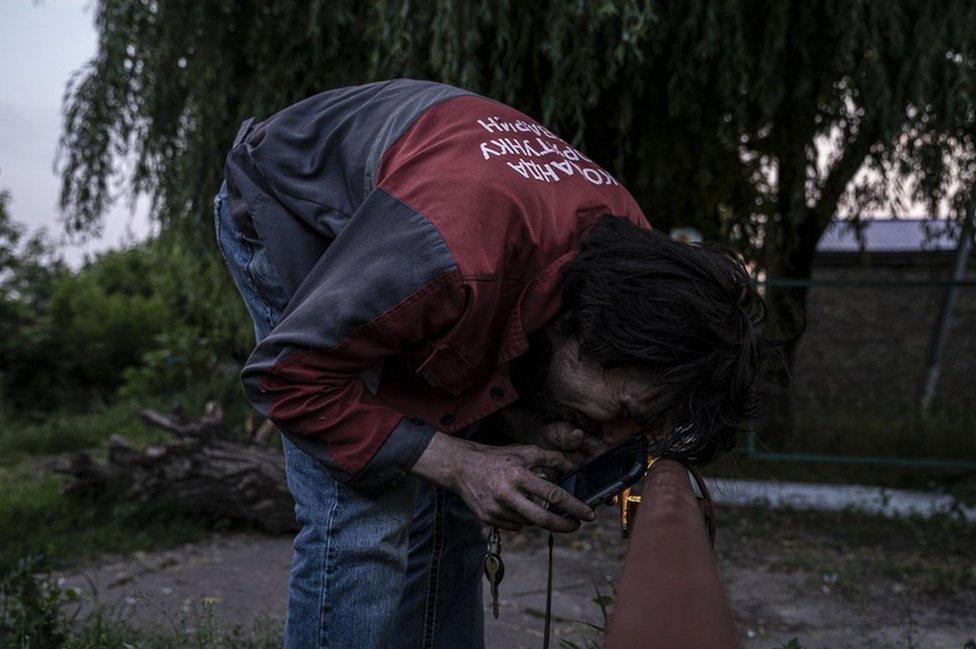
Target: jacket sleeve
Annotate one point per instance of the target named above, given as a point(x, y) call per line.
point(386, 282)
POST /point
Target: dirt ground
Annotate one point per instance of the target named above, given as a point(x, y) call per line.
point(241, 579)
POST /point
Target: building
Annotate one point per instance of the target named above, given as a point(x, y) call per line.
point(887, 243)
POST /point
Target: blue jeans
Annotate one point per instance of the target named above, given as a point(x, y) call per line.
point(397, 569)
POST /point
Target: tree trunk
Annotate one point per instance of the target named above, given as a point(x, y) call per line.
point(203, 469)
point(788, 316)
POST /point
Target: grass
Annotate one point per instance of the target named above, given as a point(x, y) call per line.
point(32, 614)
point(927, 557)
point(884, 429)
point(45, 531)
point(63, 433)
point(865, 558)
point(892, 433)
point(45, 434)
point(852, 550)
point(107, 634)
point(37, 520)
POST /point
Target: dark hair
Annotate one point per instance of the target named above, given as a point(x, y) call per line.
point(687, 314)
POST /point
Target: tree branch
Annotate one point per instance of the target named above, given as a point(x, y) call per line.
point(841, 174)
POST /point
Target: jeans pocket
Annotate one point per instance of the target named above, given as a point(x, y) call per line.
point(263, 276)
point(247, 263)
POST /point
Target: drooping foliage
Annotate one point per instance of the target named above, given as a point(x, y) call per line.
point(749, 119)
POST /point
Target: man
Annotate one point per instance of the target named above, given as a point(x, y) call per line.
point(428, 269)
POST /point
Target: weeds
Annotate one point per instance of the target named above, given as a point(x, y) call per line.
point(929, 557)
point(30, 608)
point(32, 614)
point(792, 644)
point(593, 634)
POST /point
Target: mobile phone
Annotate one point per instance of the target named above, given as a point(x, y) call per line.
point(607, 474)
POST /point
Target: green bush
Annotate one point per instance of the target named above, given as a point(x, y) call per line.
point(178, 358)
point(134, 323)
point(30, 609)
point(106, 319)
point(69, 351)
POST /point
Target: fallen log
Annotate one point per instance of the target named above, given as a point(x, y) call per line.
point(204, 468)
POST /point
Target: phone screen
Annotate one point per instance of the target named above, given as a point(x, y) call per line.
point(618, 465)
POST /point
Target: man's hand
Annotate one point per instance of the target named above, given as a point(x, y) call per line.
point(560, 436)
point(496, 482)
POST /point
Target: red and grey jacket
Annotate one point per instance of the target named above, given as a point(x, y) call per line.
point(418, 231)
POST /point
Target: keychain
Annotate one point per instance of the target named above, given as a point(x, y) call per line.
point(494, 567)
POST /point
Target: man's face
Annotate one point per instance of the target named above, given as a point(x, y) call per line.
point(608, 403)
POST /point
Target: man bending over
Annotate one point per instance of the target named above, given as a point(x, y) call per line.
point(449, 299)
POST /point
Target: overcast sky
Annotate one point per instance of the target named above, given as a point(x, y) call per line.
point(41, 45)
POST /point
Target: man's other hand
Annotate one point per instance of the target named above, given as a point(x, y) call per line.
point(560, 436)
point(497, 482)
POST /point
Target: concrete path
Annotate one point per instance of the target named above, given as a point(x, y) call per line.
point(243, 579)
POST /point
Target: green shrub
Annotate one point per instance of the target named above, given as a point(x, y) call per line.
point(30, 609)
point(134, 323)
point(69, 351)
point(178, 358)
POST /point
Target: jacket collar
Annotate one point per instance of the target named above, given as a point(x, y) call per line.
point(539, 302)
point(542, 297)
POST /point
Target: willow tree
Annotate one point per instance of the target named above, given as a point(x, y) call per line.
point(750, 119)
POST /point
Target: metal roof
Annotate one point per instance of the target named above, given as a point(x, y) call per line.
point(887, 235)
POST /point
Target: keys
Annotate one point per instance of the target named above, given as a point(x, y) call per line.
point(494, 571)
point(494, 567)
